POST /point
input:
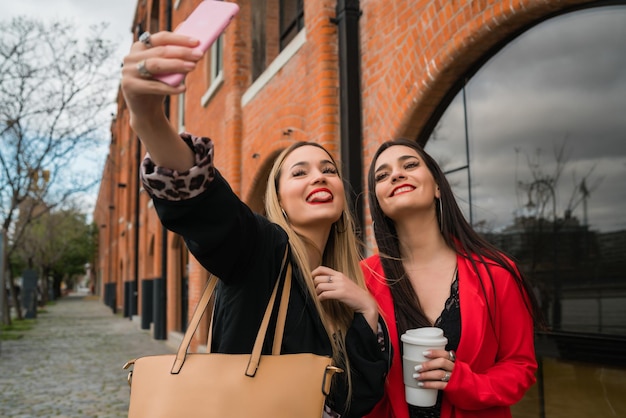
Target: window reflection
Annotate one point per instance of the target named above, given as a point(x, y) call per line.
point(546, 138)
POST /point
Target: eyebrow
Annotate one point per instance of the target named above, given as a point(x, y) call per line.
point(306, 163)
point(401, 159)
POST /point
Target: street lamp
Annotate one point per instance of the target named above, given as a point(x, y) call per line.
point(541, 187)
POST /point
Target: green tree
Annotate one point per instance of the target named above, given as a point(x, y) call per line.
point(57, 244)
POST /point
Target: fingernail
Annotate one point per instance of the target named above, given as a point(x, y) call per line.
point(416, 375)
point(426, 353)
point(418, 367)
point(420, 384)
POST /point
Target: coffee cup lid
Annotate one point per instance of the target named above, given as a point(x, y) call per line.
point(425, 336)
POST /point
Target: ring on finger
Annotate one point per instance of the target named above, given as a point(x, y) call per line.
point(330, 279)
point(452, 356)
point(144, 38)
point(142, 70)
point(446, 377)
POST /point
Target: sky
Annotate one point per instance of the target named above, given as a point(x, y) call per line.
point(118, 13)
point(562, 82)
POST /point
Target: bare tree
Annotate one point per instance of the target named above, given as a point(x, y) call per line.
point(55, 91)
point(542, 190)
point(545, 220)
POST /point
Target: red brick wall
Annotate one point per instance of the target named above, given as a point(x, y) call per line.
point(412, 53)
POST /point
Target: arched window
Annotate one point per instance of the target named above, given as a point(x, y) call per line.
point(534, 144)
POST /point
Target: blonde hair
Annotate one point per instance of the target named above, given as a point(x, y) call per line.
point(340, 253)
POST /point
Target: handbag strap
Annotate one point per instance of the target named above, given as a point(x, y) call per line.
point(193, 324)
point(201, 307)
point(282, 314)
point(255, 357)
point(280, 319)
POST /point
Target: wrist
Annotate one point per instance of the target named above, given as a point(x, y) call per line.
point(371, 316)
point(147, 122)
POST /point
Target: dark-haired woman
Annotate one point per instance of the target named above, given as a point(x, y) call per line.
point(433, 269)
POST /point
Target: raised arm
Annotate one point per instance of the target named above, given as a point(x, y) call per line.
point(167, 53)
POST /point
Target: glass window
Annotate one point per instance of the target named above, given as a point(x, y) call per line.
point(291, 20)
point(217, 57)
point(258, 26)
point(543, 125)
point(273, 25)
point(534, 146)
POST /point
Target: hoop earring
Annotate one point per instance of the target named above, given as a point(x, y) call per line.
point(284, 214)
point(440, 215)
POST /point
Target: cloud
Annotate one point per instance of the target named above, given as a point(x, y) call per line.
point(562, 83)
point(118, 14)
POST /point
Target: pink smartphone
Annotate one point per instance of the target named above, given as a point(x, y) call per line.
point(206, 23)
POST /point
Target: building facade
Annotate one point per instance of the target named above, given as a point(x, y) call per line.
point(521, 102)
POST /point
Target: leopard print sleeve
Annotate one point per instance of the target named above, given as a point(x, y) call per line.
point(163, 183)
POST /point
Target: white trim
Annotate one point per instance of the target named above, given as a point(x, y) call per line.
point(181, 112)
point(215, 85)
point(280, 61)
point(216, 75)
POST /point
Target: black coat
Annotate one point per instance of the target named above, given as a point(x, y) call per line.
point(245, 251)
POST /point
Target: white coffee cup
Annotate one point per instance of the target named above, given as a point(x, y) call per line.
point(415, 342)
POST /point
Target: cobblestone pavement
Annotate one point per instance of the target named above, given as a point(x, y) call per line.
point(70, 363)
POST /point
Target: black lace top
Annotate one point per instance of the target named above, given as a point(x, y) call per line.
point(450, 322)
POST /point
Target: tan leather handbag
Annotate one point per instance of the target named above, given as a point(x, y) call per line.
point(231, 385)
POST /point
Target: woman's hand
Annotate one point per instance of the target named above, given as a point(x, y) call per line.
point(164, 52)
point(331, 284)
point(435, 373)
point(159, 53)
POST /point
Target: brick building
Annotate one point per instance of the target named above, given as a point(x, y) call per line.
point(346, 74)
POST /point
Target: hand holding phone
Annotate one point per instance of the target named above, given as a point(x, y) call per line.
point(206, 23)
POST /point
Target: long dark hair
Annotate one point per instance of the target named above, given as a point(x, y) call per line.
point(458, 235)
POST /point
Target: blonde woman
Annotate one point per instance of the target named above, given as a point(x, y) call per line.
point(330, 310)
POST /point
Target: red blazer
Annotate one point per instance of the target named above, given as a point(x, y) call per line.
point(495, 365)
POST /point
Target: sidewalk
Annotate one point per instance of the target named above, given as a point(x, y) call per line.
point(70, 363)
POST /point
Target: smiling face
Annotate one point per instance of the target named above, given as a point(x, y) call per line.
point(310, 190)
point(404, 185)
